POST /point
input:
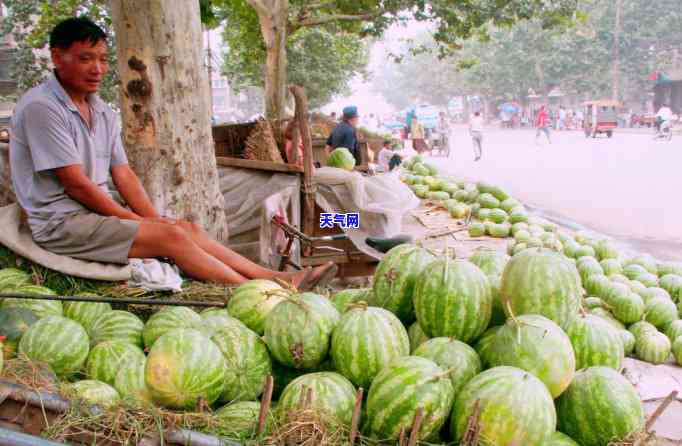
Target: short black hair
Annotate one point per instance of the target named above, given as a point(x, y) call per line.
point(76, 29)
point(477, 114)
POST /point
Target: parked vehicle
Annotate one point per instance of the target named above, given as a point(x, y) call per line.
point(601, 117)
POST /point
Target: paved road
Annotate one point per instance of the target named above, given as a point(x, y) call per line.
point(628, 187)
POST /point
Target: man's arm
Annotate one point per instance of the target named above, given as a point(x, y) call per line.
point(131, 190)
point(80, 188)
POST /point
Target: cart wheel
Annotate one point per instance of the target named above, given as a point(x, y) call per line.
point(609, 133)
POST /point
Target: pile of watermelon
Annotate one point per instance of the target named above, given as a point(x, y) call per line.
point(528, 343)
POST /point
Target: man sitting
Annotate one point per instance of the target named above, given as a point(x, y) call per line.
point(65, 143)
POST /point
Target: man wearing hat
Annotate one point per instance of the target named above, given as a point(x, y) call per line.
point(345, 134)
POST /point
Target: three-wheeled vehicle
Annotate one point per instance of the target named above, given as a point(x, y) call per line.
point(600, 117)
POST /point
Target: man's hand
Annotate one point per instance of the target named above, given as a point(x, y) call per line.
point(131, 190)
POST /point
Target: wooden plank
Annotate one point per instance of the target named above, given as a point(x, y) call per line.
point(258, 165)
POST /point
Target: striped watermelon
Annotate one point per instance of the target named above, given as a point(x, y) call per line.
point(627, 307)
point(665, 268)
point(606, 315)
point(213, 320)
point(593, 302)
point(130, 383)
point(332, 394)
point(14, 322)
point(41, 308)
point(537, 345)
point(184, 367)
point(648, 279)
point(344, 298)
point(646, 261)
point(168, 319)
point(677, 350)
point(416, 336)
point(11, 279)
point(605, 250)
point(653, 347)
point(633, 270)
point(672, 283)
point(453, 298)
point(451, 355)
point(238, 420)
point(585, 251)
point(660, 312)
point(540, 281)
point(559, 439)
point(253, 301)
point(491, 262)
point(94, 392)
point(365, 340)
point(628, 341)
point(282, 376)
point(599, 407)
point(672, 331)
point(85, 313)
point(515, 408)
point(117, 325)
point(60, 342)
point(640, 328)
point(298, 330)
point(587, 266)
point(247, 360)
point(611, 266)
point(595, 342)
point(597, 284)
point(654, 292)
point(400, 389)
point(395, 279)
point(484, 344)
point(106, 359)
point(637, 287)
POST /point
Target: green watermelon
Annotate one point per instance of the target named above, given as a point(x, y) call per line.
point(599, 407)
point(247, 360)
point(239, 420)
point(587, 266)
point(106, 359)
point(94, 392)
point(585, 251)
point(672, 283)
point(660, 312)
point(487, 201)
point(500, 230)
point(537, 345)
point(597, 284)
point(522, 236)
point(130, 384)
point(677, 350)
point(253, 301)
point(611, 266)
point(399, 390)
point(653, 347)
point(12, 279)
point(167, 319)
point(451, 355)
point(14, 322)
point(484, 345)
point(637, 287)
point(476, 229)
point(416, 336)
point(341, 158)
point(674, 330)
point(665, 268)
point(119, 325)
point(2, 355)
point(605, 250)
point(518, 216)
point(633, 270)
point(499, 216)
point(509, 204)
point(520, 226)
point(559, 439)
point(654, 293)
point(593, 302)
point(627, 308)
point(395, 278)
point(298, 330)
point(183, 368)
point(343, 299)
point(60, 342)
point(215, 319)
point(640, 328)
point(332, 394)
point(365, 340)
point(453, 298)
point(85, 313)
point(628, 341)
point(499, 193)
point(607, 317)
point(595, 343)
point(648, 279)
point(646, 261)
point(540, 281)
point(514, 406)
point(41, 308)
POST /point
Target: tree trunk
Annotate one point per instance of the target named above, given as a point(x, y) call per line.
point(165, 102)
point(616, 51)
point(273, 25)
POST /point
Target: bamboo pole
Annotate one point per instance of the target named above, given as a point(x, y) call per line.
point(115, 300)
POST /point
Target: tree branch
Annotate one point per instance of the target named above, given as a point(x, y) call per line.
point(316, 21)
point(259, 6)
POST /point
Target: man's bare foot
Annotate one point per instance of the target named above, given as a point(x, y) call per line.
point(298, 277)
point(321, 275)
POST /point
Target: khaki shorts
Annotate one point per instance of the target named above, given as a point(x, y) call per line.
point(90, 236)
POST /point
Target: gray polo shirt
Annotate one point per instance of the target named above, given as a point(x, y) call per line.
point(48, 132)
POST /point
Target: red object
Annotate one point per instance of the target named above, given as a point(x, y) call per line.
point(541, 120)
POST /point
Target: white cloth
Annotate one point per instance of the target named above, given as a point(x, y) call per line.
point(665, 114)
point(384, 158)
point(476, 124)
point(153, 275)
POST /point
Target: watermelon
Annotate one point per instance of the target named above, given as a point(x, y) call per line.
point(298, 330)
point(509, 204)
point(611, 266)
point(607, 317)
point(491, 262)
point(365, 340)
point(654, 293)
point(41, 308)
point(585, 251)
point(522, 235)
point(653, 347)
point(476, 229)
point(12, 278)
point(500, 230)
point(498, 216)
point(253, 301)
point(540, 281)
point(677, 350)
point(183, 368)
point(518, 216)
point(395, 278)
point(521, 226)
point(85, 313)
point(665, 268)
point(454, 356)
point(559, 439)
point(660, 312)
point(672, 283)
point(605, 250)
point(484, 345)
point(646, 261)
point(674, 330)
point(647, 279)
point(332, 394)
point(487, 201)
point(627, 308)
point(247, 360)
point(341, 158)
point(215, 319)
point(343, 299)
point(453, 298)
point(2, 355)
point(129, 383)
point(499, 193)
point(416, 336)
point(117, 325)
point(60, 342)
point(633, 270)
point(460, 211)
point(595, 343)
point(239, 420)
point(167, 319)
point(641, 328)
point(484, 187)
point(399, 390)
point(484, 214)
point(514, 406)
point(537, 345)
point(587, 266)
point(599, 407)
point(597, 284)
point(593, 302)
point(107, 358)
point(94, 392)
point(14, 322)
point(637, 287)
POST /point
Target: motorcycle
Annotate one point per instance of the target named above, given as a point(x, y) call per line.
point(665, 132)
